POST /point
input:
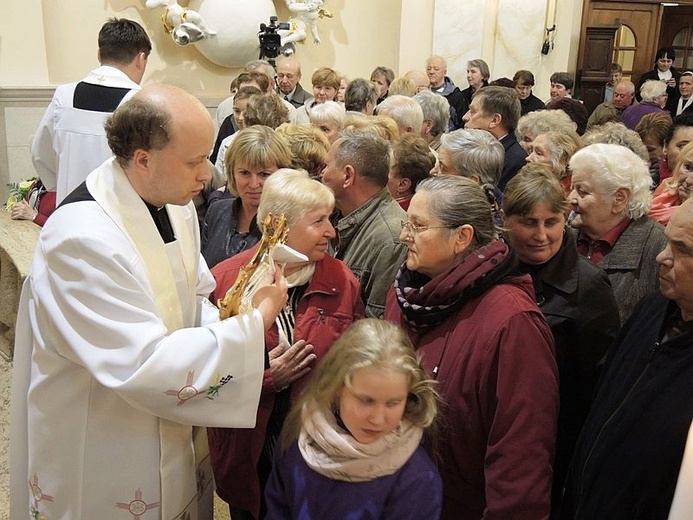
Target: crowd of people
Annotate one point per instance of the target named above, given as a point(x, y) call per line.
point(480, 312)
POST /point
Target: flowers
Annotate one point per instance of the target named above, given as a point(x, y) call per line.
point(18, 191)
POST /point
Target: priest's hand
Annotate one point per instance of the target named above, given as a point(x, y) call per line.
point(287, 364)
point(271, 298)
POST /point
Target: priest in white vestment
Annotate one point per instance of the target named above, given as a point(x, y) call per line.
point(118, 352)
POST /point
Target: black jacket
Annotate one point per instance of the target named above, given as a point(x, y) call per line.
point(576, 299)
point(627, 459)
point(531, 104)
point(515, 158)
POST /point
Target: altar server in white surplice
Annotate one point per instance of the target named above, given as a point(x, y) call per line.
point(118, 352)
point(70, 140)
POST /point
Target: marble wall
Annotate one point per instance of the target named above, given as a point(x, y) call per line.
point(508, 35)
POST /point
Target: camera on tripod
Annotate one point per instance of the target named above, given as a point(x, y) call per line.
point(270, 39)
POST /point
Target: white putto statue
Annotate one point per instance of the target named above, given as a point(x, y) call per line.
point(306, 15)
point(184, 25)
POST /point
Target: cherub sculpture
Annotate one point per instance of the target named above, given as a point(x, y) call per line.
point(306, 15)
point(184, 25)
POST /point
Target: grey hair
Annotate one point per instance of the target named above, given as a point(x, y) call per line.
point(404, 110)
point(617, 133)
point(436, 109)
point(328, 112)
point(437, 57)
point(652, 89)
point(613, 167)
point(359, 92)
point(292, 193)
point(265, 65)
point(475, 152)
point(543, 121)
point(482, 66)
point(457, 201)
point(562, 145)
point(368, 153)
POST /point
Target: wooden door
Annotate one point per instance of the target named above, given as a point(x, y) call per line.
point(677, 32)
point(642, 21)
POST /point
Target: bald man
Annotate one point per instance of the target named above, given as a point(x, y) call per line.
point(118, 351)
point(288, 78)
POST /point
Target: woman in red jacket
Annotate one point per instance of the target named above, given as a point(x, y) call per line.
point(324, 299)
point(476, 326)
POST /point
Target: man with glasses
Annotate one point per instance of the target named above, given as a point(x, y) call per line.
point(288, 77)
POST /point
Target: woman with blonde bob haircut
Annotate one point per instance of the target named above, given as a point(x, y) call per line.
point(324, 299)
point(355, 435)
point(229, 227)
point(610, 200)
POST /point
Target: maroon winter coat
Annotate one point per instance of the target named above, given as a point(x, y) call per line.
point(330, 304)
point(494, 359)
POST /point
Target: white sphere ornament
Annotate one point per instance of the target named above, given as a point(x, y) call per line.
point(237, 23)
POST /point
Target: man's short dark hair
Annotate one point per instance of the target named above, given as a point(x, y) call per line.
point(137, 124)
point(367, 153)
point(121, 40)
point(563, 78)
point(358, 93)
point(502, 101)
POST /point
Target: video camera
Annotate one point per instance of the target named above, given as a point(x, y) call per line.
point(270, 40)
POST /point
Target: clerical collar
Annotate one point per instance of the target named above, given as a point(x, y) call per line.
point(162, 222)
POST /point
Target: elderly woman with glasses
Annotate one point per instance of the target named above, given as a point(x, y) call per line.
point(479, 332)
point(610, 200)
point(324, 300)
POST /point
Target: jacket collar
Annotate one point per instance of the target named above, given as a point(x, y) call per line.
point(350, 224)
point(561, 271)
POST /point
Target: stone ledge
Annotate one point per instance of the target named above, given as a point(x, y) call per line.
point(17, 242)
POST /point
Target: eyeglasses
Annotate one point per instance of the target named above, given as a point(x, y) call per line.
point(413, 229)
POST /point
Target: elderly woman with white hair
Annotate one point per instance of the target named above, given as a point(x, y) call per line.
point(610, 200)
point(329, 117)
point(539, 122)
point(436, 112)
point(324, 299)
point(654, 98)
point(555, 149)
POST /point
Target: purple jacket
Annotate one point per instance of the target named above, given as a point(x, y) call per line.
point(295, 491)
point(633, 114)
